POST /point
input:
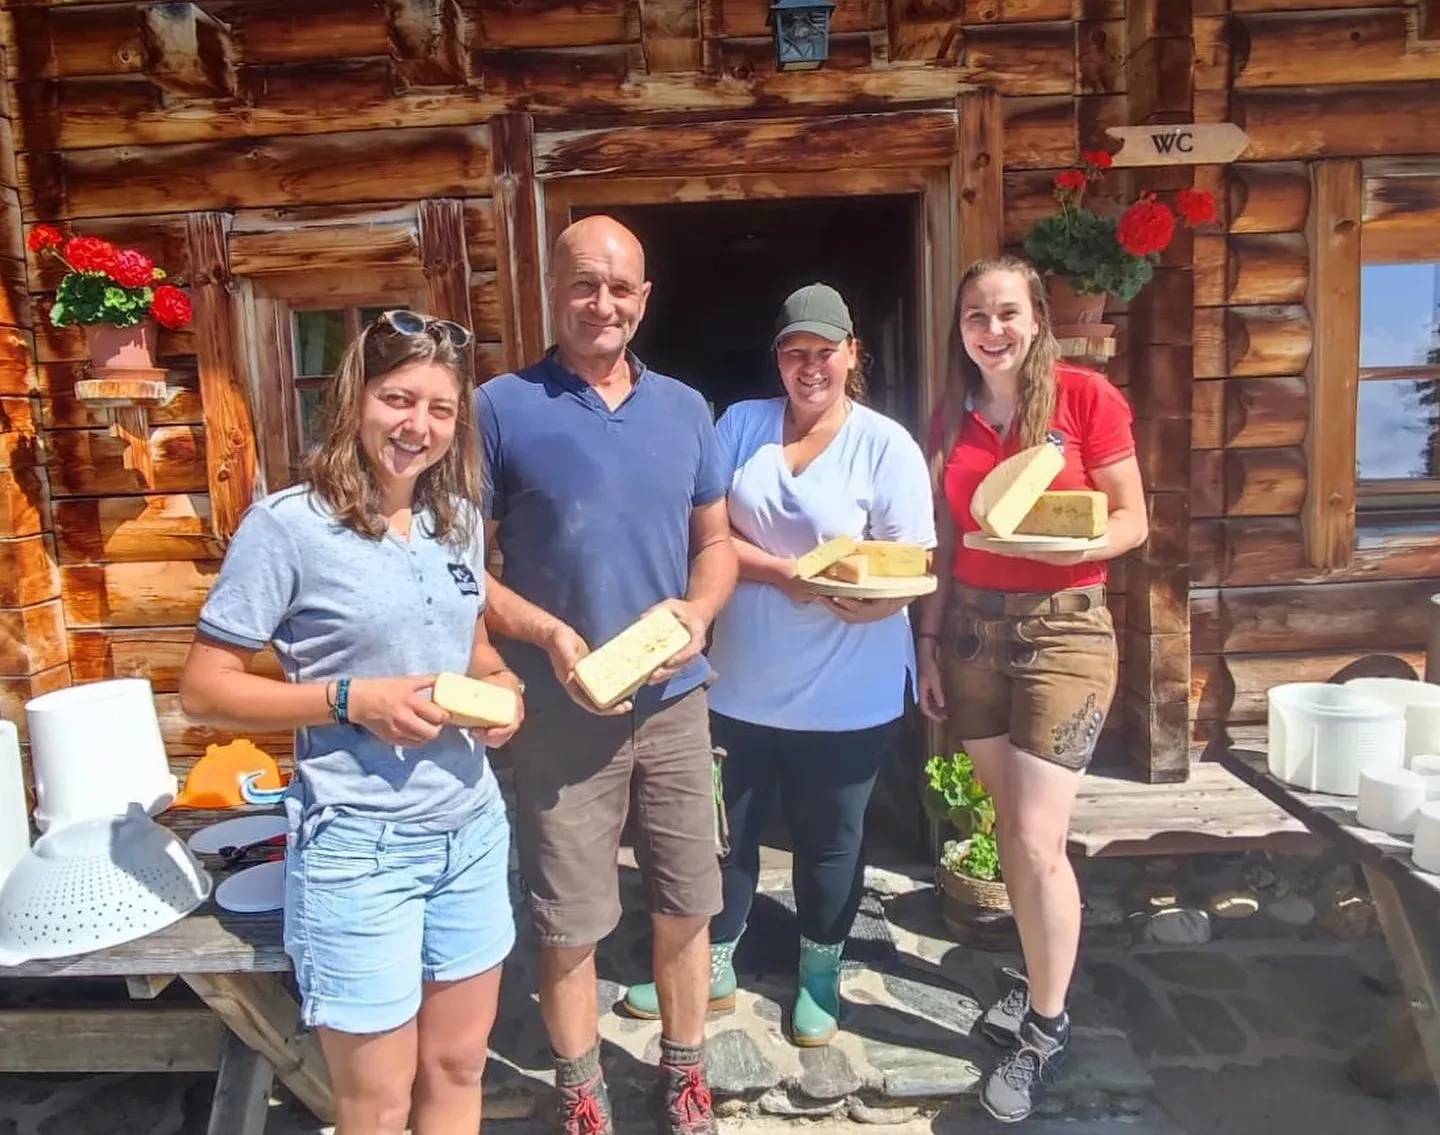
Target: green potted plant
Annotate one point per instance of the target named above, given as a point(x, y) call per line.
point(969, 869)
point(116, 296)
point(1089, 257)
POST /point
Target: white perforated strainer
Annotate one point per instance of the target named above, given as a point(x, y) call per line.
point(97, 883)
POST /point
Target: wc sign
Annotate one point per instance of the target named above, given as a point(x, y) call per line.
point(1179, 144)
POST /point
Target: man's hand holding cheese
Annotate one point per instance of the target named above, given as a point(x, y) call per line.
point(605, 489)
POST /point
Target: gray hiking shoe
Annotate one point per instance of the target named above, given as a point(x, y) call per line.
point(1012, 1091)
point(1001, 1022)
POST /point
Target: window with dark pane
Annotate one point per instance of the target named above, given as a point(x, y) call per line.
point(1398, 418)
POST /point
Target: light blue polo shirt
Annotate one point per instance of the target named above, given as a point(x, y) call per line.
point(336, 604)
point(794, 665)
point(594, 505)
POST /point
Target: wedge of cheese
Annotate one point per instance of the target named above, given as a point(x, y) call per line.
point(893, 559)
point(852, 569)
point(474, 704)
point(1068, 512)
point(1009, 491)
point(617, 668)
point(817, 559)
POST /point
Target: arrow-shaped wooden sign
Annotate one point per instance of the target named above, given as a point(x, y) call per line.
point(1179, 144)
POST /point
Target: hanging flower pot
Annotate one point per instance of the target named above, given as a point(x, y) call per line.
point(1075, 315)
point(121, 348)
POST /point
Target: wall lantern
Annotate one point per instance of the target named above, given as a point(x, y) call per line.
point(802, 33)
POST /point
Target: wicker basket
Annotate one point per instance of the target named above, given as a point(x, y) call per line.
point(979, 894)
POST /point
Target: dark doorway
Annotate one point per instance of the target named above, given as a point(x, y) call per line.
point(721, 270)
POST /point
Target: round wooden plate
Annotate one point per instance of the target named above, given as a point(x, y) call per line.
point(1021, 545)
point(881, 587)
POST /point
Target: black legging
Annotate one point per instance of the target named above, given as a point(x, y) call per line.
point(824, 782)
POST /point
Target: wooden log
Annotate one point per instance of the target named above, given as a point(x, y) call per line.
point(334, 167)
point(88, 462)
point(1252, 341)
point(136, 594)
point(19, 416)
point(1161, 81)
point(21, 450)
point(1233, 687)
point(1268, 197)
point(15, 307)
point(1100, 57)
point(1264, 482)
point(15, 692)
point(749, 60)
point(429, 42)
point(17, 362)
point(1250, 413)
point(1247, 552)
point(1266, 268)
point(1162, 448)
point(1039, 132)
point(1157, 740)
point(1168, 389)
point(1336, 616)
point(242, 1091)
point(1030, 196)
point(115, 1038)
point(921, 30)
point(186, 52)
point(338, 248)
point(898, 138)
point(1401, 216)
point(1157, 599)
point(1169, 542)
point(480, 234)
point(158, 655)
point(670, 35)
point(1164, 312)
point(556, 23)
point(1028, 59)
point(518, 250)
point(1334, 303)
point(1205, 630)
point(485, 318)
point(186, 739)
point(442, 252)
point(1157, 668)
point(135, 529)
point(28, 573)
point(1212, 52)
point(24, 502)
point(1351, 121)
point(732, 18)
point(1343, 47)
point(32, 639)
point(979, 184)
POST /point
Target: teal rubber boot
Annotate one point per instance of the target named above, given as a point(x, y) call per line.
point(816, 1016)
point(643, 1001)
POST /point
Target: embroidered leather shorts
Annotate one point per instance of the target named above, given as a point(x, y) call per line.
point(1040, 668)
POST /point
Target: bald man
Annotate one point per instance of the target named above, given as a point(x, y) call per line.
point(606, 495)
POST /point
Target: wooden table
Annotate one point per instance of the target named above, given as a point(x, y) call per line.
point(248, 1029)
point(1407, 902)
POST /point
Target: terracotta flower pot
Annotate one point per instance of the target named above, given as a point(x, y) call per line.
point(121, 348)
point(1073, 315)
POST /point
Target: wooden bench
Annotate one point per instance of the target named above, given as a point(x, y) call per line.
point(247, 1028)
point(1117, 815)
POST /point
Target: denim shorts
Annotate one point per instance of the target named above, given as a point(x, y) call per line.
point(373, 910)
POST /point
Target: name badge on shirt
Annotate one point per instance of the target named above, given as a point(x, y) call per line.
point(1057, 439)
point(464, 579)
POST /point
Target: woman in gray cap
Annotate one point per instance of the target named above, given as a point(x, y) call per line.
point(809, 690)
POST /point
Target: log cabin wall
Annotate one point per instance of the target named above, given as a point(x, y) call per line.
point(278, 155)
point(1285, 586)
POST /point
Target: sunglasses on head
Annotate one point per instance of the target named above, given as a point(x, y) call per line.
point(413, 323)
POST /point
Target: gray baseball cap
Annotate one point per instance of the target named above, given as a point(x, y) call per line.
point(818, 309)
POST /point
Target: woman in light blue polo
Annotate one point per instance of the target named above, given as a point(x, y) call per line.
point(368, 580)
point(809, 691)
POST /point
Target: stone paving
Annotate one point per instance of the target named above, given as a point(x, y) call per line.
point(1213, 1023)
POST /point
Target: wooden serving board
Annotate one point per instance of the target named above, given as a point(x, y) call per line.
point(1019, 545)
point(881, 587)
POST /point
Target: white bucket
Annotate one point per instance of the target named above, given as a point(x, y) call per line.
point(1390, 800)
point(1426, 852)
point(1421, 703)
point(1321, 736)
point(14, 808)
point(96, 750)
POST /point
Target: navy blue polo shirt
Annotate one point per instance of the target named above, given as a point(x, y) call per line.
point(594, 504)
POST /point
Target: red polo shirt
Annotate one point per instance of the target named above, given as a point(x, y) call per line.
point(1094, 419)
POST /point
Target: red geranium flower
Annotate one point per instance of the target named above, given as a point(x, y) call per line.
point(1071, 180)
point(171, 307)
point(89, 254)
point(45, 236)
point(1146, 227)
point(1197, 206)
point(131, 268)
point(1100, 159)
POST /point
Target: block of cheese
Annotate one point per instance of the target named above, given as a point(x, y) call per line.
point(1069, 512)
point(474, 704)
point(852, 569)
point(617, 668)
point(893, 559)
point(820, 557)
point(1010, 490)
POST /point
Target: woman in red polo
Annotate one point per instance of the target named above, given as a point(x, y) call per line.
point(1017, 655)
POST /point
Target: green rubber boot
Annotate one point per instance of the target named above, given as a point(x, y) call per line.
point(643, 1001)
point(816, 1016)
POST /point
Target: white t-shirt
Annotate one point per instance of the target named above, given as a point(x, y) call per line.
point(796, 665)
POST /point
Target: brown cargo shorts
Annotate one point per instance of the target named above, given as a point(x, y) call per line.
point(1040, 668)
point(577, 777)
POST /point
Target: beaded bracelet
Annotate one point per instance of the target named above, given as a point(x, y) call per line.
point(341, 709)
